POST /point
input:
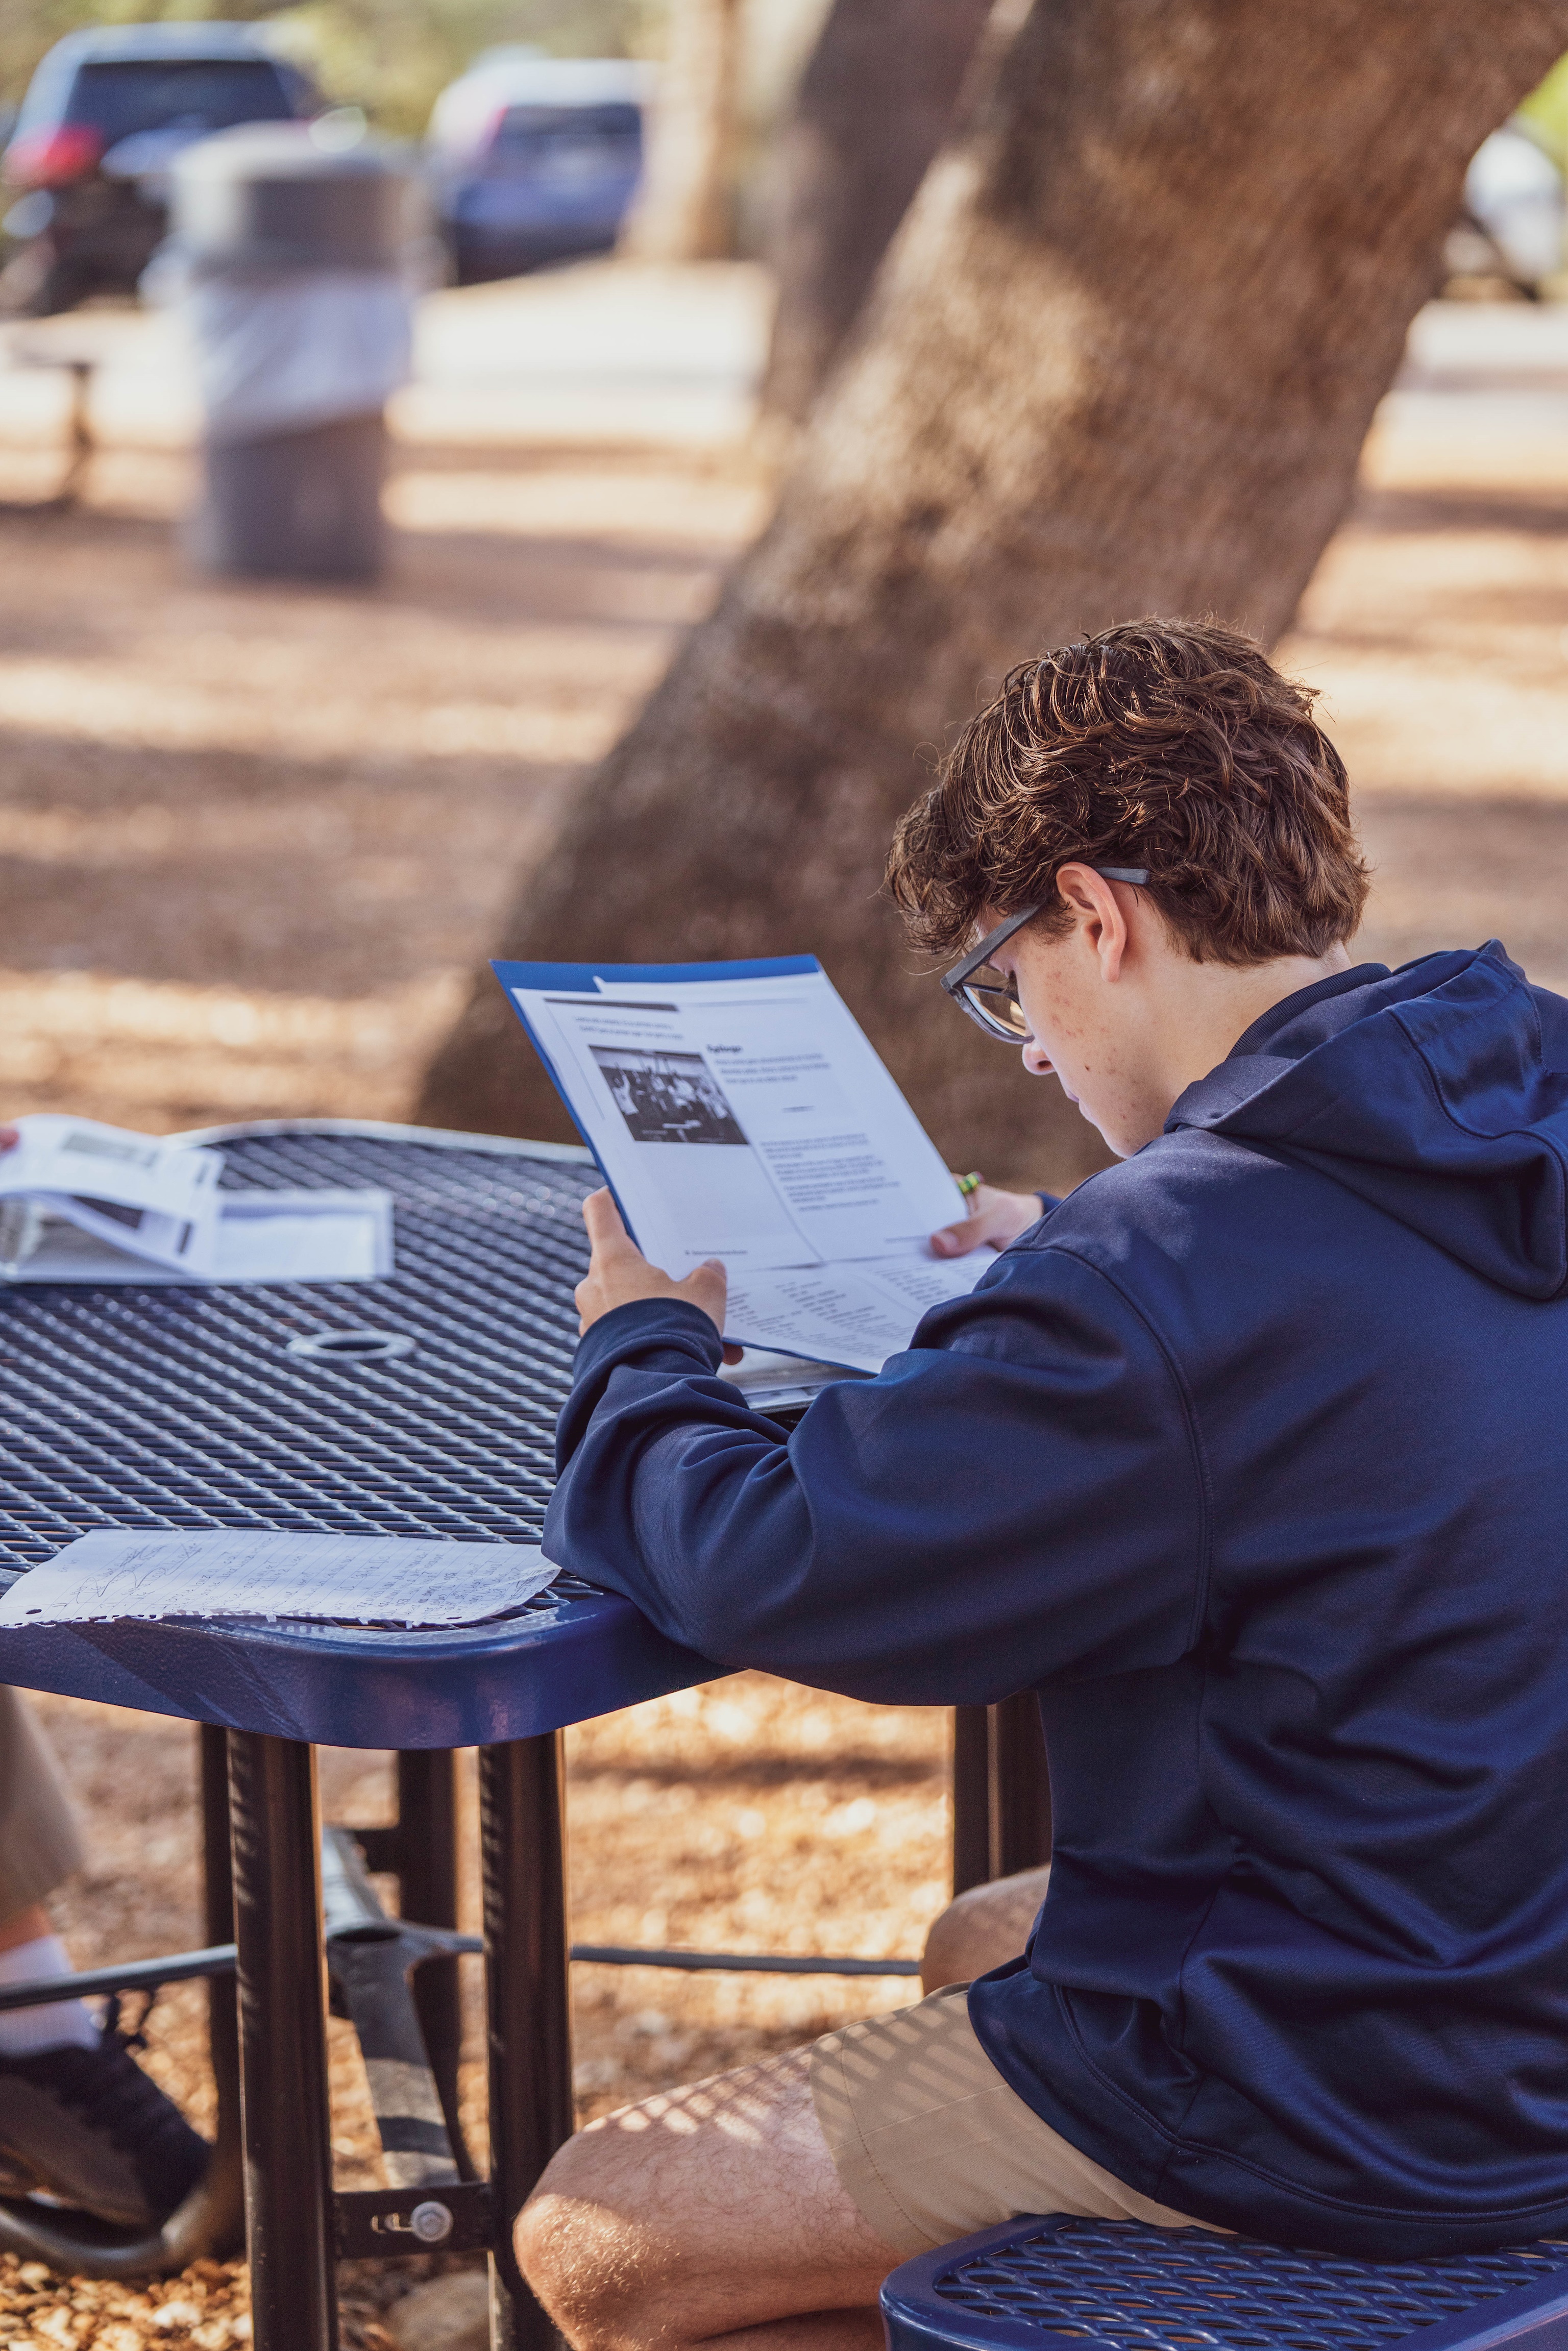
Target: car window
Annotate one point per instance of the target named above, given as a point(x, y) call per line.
point(550, 140)
point(160, 94)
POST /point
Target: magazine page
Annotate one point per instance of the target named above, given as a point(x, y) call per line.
point(849, 1159)
point(657, 1118)
point(745, 1117)
point(857, 1315)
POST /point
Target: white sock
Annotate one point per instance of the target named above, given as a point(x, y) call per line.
point(59, 2023)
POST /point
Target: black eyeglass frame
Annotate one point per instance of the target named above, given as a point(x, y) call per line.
point(956, 981)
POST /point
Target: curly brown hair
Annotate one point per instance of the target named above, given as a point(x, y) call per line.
point(1172, 745)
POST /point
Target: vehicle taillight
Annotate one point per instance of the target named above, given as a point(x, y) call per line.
point(50, 159)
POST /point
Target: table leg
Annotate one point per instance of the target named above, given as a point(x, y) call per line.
point(218, 1889)
point(427, 1876)
point(523, 1845)
point(1002, 1791)
point(282, 1985)
point(971, 1797)
point(1021, 1786)
point(226, 2183)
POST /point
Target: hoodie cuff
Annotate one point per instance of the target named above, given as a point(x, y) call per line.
point(650, 1335)
point(654, 1333)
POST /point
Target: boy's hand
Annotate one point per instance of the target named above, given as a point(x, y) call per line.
point(619, 1273)
point(995, 1217)
point(8, 1135)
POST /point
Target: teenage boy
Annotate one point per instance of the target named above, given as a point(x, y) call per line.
point(1251, 1458)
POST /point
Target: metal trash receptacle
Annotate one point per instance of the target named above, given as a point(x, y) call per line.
point(288, 258)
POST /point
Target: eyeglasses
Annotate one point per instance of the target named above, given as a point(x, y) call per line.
point(990, 998)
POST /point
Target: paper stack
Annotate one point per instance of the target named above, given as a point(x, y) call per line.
point(152, 1199)
point(83, 1202)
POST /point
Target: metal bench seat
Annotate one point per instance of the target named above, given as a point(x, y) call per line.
point(1030, 2285)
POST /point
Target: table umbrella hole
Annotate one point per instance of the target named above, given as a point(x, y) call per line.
point(352, 1346)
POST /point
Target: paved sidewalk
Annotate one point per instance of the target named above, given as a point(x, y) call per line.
point(605, 352)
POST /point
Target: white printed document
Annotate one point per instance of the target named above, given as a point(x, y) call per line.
point(283, 1235)
point(157, 1199)
point(355, 1579)
point(739, 1112)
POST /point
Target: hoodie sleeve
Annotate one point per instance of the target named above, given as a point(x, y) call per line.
point(1017, 1497)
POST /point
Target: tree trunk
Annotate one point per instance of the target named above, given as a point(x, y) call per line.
point(1120, 359)
point(875, 102)
point(684, 210)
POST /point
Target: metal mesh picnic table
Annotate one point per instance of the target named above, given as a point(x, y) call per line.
point(422, 1404)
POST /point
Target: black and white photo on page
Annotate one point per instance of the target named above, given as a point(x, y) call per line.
point(668, 1097)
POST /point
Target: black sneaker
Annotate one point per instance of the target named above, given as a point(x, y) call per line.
point(88, 2126)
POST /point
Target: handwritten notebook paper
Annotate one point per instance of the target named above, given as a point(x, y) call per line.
point(361, 1578)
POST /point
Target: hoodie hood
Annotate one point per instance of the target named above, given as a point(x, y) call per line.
point(1439, 1092)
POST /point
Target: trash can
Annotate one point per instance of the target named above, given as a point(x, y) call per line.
point(287, 260)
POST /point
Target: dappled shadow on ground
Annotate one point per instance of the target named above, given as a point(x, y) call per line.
point(254, 835)
point(1459, 509)
point(1453, 873)
point(1436, 629)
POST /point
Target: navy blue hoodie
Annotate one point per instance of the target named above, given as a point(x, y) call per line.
point(1251, 1458)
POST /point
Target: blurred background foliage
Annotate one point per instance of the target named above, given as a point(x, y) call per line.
point(1546, 112)
point(394, 57)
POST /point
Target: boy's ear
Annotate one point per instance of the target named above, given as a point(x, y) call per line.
point(1076, 885)
point(1095, 903)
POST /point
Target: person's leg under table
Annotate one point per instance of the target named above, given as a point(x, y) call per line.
point(40, 1847)
point(78, 2120)
point(40, 1843)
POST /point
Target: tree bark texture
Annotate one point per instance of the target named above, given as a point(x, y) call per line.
point(684, 210)
point(1120, 359)
point(876, 102)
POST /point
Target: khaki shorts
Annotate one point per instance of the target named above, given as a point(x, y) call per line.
point(931, 2142)
point(39, 1844)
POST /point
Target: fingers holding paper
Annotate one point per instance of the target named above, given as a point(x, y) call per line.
point(619, 1273)
point(995, 1215)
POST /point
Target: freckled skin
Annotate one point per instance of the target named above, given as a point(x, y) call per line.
point(1122, 1012)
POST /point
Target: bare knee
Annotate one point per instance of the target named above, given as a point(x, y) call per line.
point(583, 2253)
point(982, 1928)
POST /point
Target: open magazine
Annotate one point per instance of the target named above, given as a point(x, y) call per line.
point(150, 1199)
point(738, 1111)
point(83, 1202)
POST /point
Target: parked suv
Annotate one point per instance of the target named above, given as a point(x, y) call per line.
point(103, 118)
point(535, 158)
